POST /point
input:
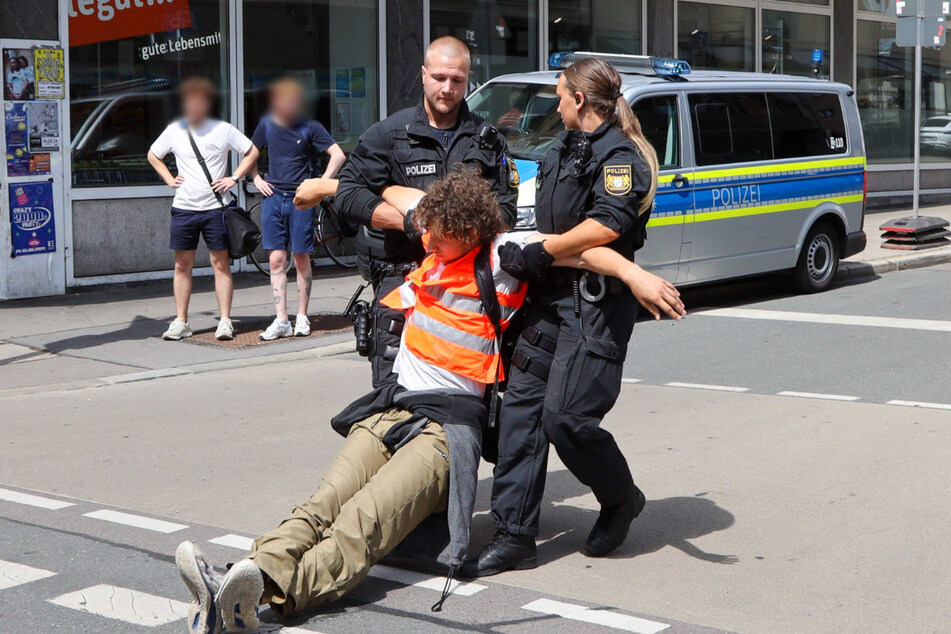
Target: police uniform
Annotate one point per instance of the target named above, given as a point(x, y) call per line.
point(404, 149)
point(568, 361)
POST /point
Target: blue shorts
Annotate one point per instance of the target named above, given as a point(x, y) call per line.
point(188, 225)
point(283, 225)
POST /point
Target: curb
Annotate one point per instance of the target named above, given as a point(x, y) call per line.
point(330, 350)
point(849, 270)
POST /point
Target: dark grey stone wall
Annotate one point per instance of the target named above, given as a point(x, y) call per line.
point(660, 27)
point(29, 19)
point(404, 53)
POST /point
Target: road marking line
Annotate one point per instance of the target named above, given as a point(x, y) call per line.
point(239, 542)
point(14, 574)
point(149, 524)
point(296, 630)
point(826, 397)
point(419, 580)
point(920, 404)
point(33, 500)
point(823, 318)
point(596, 617)
point(123, 604)
point(630, 380)
point(704, 386)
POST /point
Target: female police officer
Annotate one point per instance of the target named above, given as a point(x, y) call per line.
point(595, 187)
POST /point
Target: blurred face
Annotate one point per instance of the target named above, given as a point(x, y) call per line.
point(448, 249)
point(444, 82)
point(568, 106)
point(287, 104)
point(196, 107)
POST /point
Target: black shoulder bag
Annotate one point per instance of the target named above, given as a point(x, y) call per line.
point(244, 236)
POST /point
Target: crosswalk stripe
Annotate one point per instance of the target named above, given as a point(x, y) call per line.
point(596, 617)
point(33, 500)
point(137, 521)
point(123, 604)
point(13, 574)
point(839, 320)
point(239, 542)
point(419, 580)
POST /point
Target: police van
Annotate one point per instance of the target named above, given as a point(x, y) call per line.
point(758, 173)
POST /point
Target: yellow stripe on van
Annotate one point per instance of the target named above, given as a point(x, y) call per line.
point(751, 211)
point(701, 174)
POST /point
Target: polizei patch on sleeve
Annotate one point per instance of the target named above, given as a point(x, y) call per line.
point(424, 169)
point(618, 179)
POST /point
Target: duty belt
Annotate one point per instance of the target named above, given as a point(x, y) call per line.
point(560, 277)
point(391, 269)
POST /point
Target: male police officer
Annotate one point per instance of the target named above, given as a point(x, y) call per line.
point(413, 148)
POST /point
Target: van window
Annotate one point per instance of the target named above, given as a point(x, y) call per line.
point(730, 128)
point(661, 126)
point(806, 124)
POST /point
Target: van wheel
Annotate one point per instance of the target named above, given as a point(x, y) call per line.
point(819, 259)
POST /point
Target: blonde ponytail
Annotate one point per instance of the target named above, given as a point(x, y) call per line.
point(600, 83)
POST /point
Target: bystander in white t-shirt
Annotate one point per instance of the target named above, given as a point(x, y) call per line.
point(214, 139)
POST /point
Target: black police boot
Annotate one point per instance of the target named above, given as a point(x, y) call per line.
point(613, 523)
point(504, 552)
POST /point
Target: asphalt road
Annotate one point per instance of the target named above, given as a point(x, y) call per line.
point(793, 450)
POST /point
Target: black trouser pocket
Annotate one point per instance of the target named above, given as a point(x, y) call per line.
point(592, 377)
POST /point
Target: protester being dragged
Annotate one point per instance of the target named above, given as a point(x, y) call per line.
point(200, 142)
point(291, 144)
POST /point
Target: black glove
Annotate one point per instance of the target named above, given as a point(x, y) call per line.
point(409, 226)
point(524, 264)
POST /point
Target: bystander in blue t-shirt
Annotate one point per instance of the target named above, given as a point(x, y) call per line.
point(291, 152)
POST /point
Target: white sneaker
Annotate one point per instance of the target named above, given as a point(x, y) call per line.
point(178, 329)
point(302, 326)
point(240, 596)
point(203, 583)
point(277, 330)
point(225, 330)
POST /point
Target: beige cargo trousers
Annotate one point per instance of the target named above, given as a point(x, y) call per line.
point(369, 501)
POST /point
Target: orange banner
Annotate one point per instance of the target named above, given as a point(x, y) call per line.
point(92, 21)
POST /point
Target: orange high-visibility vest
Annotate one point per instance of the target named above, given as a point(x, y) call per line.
point(448, 327)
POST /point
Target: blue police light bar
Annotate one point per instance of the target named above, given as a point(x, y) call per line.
point(644, 64)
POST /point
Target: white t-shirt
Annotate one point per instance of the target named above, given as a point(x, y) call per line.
point(215, 139)
point(416, 374)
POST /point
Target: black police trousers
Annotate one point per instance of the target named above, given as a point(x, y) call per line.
point(386, 328)
point(565, 382)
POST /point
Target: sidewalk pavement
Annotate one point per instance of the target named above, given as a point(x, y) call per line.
point(106, 335)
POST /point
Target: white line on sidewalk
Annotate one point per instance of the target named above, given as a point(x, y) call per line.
point(123, 604)
point(33, 500)
point(815, 395)
point(14, 574)
point(704, 386)
point(920, 404)
point(148, 523)
point(230, 540)
point(596, 617)
point(630, 380)
point(824, 318)
point(419, 580)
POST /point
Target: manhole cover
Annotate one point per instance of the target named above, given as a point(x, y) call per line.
point(246, 331)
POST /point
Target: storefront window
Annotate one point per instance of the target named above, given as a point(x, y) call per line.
point(789, 40)
point(714, 36)
point(330, 45)
point(502, 35)
point(874, 6)
point(606, 26)
point(126, 62)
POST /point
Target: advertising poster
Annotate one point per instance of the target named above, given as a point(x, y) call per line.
point(31, 216)
point(343, 117)
point(20, 161)
point(343, 82)
point(358, 83)
point(90, 23)
point(19, 82)
point(43, 122)
point(50, 73)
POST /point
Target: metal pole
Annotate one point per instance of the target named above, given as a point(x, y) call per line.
point(920, 20)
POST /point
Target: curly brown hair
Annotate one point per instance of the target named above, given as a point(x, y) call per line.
point(461, 206)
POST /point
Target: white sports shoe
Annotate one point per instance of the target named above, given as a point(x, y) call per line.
point(240, 596)
point(277, 330)
point(225, 330)
point(302, 326)
point(178, 329)
point(203, 582)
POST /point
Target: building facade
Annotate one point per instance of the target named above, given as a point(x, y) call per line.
point(360, 59)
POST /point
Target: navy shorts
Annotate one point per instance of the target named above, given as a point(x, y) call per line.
point(188, 225)
point(285, 226)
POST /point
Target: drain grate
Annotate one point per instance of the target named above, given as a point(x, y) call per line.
point(246, 331)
